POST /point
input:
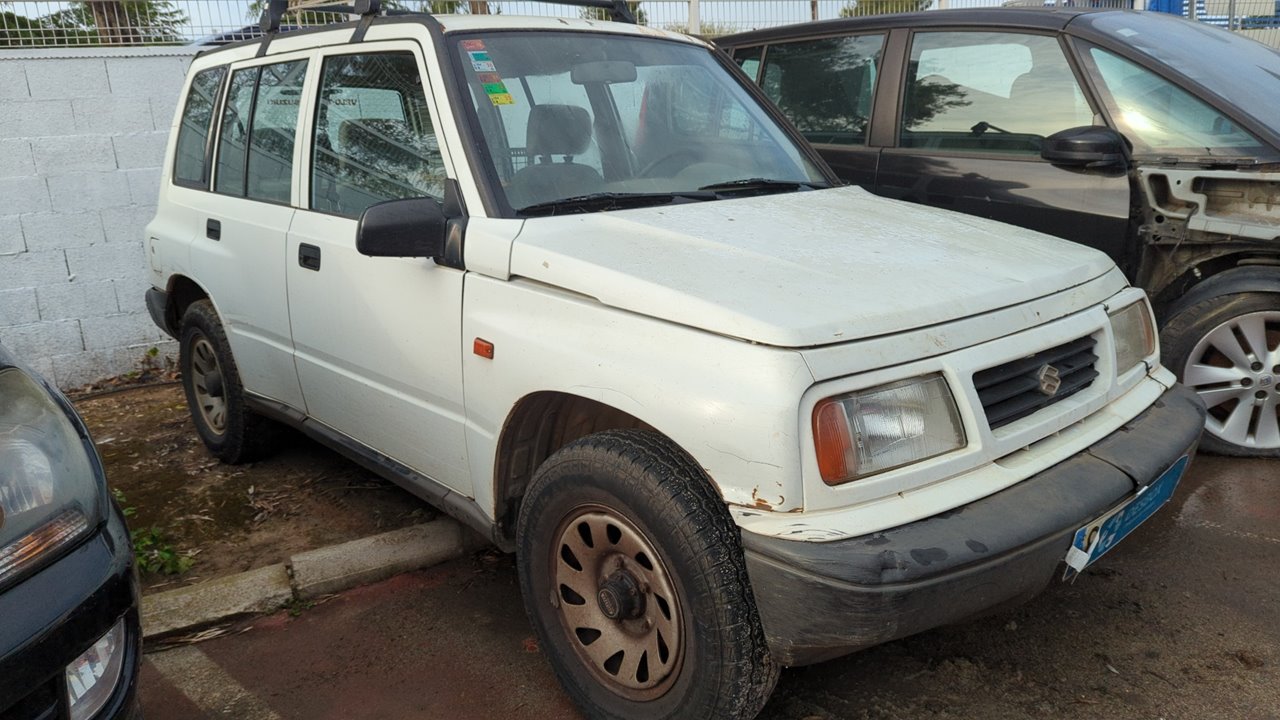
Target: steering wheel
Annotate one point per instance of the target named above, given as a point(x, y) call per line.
point(678, 159)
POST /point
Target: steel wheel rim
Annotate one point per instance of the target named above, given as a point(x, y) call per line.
point(208, 383)
point(637, 657)
point(1235, 368)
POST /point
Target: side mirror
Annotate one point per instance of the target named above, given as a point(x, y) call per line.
point(1085, 147)
point(415, 227)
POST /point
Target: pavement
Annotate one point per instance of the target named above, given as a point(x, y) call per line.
point(304, 577)
point(1180, 621)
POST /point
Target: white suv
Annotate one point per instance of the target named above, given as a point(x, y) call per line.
point(578, 284)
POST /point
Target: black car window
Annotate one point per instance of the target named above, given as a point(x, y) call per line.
point(749, 60)
point(373, 139)
point(1159, 117)
point(988, 92)
point(275, 127)
point(193, 134)
point(825, 86)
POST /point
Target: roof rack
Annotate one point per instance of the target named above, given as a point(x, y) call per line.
point(619, 10)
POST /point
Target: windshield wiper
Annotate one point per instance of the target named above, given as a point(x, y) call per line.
point(608, 201)
point(748, 184)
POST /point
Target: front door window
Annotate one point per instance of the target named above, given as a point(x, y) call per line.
point(989, 92)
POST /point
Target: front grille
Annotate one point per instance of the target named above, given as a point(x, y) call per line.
point(1012, 391)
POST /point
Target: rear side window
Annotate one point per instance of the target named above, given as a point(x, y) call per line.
point(374, 139)
point(258, 129)
point(749, 60)
point(191, 163)
point(233, 137)
point(825, 86)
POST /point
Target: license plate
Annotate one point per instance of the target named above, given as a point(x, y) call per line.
point(1098, 537)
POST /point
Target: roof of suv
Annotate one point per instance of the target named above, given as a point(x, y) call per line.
point(1025, 18)
point(473, 23)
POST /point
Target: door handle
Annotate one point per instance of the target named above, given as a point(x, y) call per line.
point(309, 256)
point(213, 229)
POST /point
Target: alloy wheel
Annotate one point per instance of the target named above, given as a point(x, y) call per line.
point(1235, 368)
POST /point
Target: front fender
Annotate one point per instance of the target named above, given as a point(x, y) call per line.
point(730, 404)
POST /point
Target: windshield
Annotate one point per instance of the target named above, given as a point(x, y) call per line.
point(1243, 72)
point(574, 116)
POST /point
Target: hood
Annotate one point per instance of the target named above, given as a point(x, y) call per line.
point(800, 269)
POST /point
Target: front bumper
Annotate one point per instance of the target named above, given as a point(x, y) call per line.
point(821, 600)
point(52, 617)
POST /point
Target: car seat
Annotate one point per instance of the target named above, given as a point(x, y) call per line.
point(563, 130)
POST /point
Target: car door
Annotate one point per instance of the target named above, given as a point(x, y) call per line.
point(377, 339)
point(239, 251)
point(974, 107)
point(825, 86)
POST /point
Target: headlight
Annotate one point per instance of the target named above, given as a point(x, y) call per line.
point(49, 495)
point(1135, 335)
point(886, 427)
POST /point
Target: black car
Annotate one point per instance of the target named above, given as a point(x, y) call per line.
point(70, 639)
point(1150, 137)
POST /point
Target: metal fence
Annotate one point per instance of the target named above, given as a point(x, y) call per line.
point(48, 23)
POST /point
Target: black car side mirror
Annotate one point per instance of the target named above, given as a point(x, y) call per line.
point(414, 227)
point(1085, 147)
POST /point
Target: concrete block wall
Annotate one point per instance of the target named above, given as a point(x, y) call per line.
point(82, 138)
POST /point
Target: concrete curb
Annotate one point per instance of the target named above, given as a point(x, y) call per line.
point(305, 576)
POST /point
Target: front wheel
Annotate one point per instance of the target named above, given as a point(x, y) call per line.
point(1227, 349)
point(634, 580)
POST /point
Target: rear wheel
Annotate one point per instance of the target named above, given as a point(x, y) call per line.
point(634, 580)
point(1227, 349)
point(232, 432)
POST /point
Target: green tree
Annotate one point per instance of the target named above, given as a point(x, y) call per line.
point(642, 18)
point(101, 22)
point(705, 29)
point(860, 8)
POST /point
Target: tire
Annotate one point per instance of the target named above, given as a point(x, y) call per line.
point(663, 552)
point(1227, 349)
point(215, 397)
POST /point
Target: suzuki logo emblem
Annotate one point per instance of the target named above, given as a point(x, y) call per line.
point(1049, 380)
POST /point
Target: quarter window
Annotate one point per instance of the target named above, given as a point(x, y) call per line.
point(190, 165)
point(374, 139)
point(989, 92)
point(825, 86)
point(1158, 116)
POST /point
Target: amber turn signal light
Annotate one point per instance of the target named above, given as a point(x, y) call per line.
point(831, 439)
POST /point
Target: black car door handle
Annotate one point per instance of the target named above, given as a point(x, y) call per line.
point(213, 229)
point(309, 256)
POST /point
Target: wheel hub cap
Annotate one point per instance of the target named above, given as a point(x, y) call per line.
point(207, 385)
point(617, 603)
point(1233, 368)
point(620, 598)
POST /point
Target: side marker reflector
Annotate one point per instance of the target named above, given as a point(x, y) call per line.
point(483, 348)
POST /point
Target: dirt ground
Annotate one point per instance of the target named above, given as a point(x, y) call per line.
point(232, 518)
point(1178, 623)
